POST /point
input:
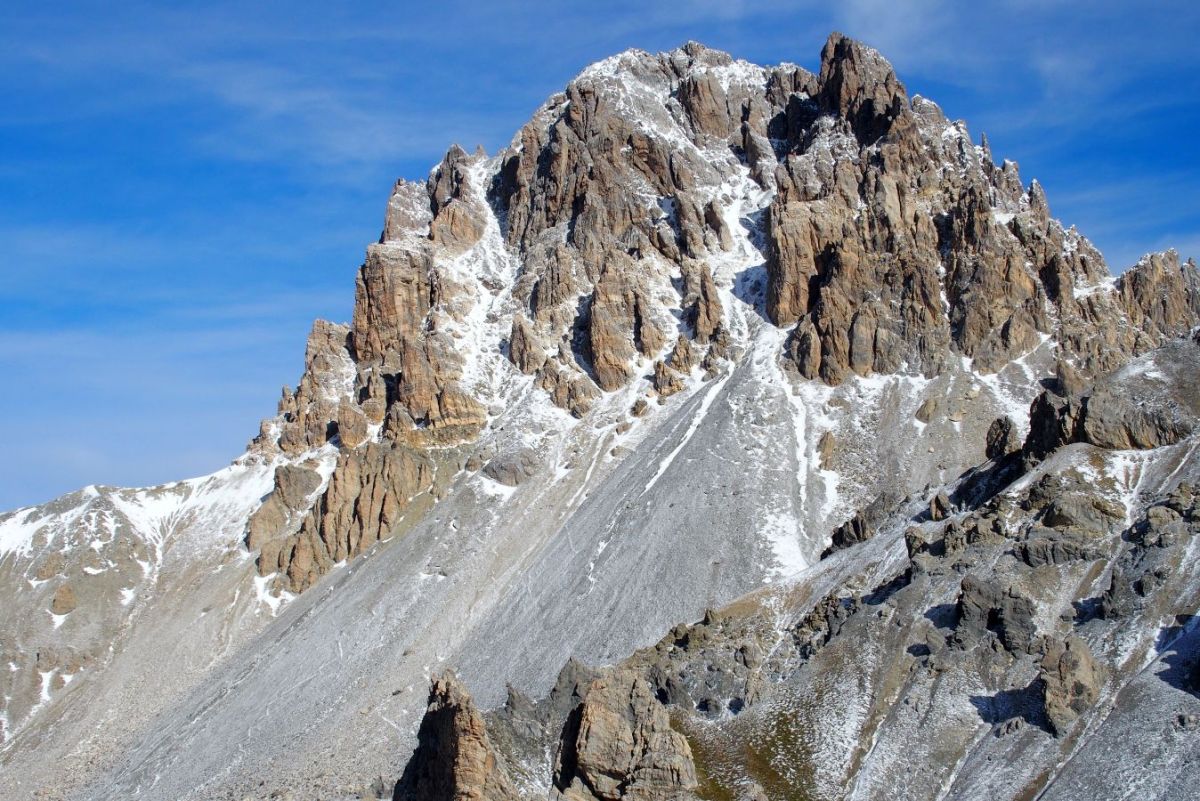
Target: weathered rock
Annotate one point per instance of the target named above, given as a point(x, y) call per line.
point(1160, 295)
point(396, 292)
point(1070, 680)
point(294, 485)
point(939, 507)
point(364, 501)
point(408, 212)
point(1118, 422)
point(352, 425)
point(1082, 511)
point(64, 601)
point(309, 415)
point(523, 349)
point(455, 759)
point(619, 326)
point(457, 222)
point(826, 447)
point(926, 411)
point(985, 606)
point(707, 311)
point(667, 381)
point(683, 355)
point(568, 390)
point(619, 744)
point(863, 524)
point(514, 467)
point(1054, 551)
point(859, 85)
point(1002, 438)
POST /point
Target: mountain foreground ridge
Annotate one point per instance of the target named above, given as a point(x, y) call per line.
point(736, 432)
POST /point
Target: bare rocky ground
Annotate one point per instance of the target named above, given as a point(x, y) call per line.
point(780, 352)
point(1035, 641)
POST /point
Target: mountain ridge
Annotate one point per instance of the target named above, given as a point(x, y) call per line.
point(672, 267)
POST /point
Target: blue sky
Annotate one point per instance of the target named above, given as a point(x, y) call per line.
point(184, 187)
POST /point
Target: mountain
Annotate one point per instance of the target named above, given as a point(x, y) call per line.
point(736, 432)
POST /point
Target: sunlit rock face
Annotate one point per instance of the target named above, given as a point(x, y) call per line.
point(782, 352)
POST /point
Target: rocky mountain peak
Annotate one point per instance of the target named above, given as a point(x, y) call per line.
point(782, 352)
point(859, 85)
point(645, 220)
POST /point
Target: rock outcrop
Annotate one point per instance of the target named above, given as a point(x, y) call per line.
point(1141, 406)
point(454, 760)
point(986, 607)
point(619, 744)
point(1070, 680)
point(1002, 438)
point(365, 500)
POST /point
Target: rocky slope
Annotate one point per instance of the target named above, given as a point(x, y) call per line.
point(650, 357)
point(1039, 640)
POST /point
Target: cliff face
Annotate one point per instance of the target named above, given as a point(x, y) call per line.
point(701, 323)
point(593, 249)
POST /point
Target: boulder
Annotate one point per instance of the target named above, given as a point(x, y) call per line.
point(1002, 438)
point(64, 601)
point(1070, 680)
point(513, 467)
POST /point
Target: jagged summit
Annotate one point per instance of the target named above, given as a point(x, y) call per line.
point(701, 323)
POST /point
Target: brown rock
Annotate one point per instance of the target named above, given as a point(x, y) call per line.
point(455, 759)
point(408, 212)
point(1070, 680)
point(365, 500)
point(927, 410)
point(1161, 296)
point(683, 355)
point(939, 507)
point(294, 485)
point(667, 381)
point(52, 565)
point(825, 449)
point(568, 389)
point(859, 85)
point(352, 424)
point(619, 327)
point(707, 310)
point(308, 413)
point(456, 223)
point(523, 350)
point(64, 601)
point(619, 744)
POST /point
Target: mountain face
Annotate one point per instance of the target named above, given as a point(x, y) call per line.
point(736, 432)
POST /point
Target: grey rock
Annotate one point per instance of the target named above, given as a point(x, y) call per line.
point(1002, 438)
point(1071, 681)
point(984, 605)
point(514, 467)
